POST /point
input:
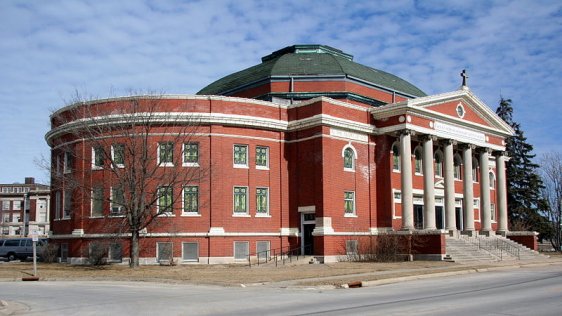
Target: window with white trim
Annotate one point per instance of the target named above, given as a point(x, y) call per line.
point(474, 169)
point(118, 155)
point(240, 200)
point(191, 199)
point(263, 249)
point(67, 163)
point(117, 201)
point(349, 202)
point(17, 205)
point(395, 157)
point(262, 157)
point(97, 157)
point(190, 251)
point(191, 154)
point(418, 164)
point(164, 251)
point(476, 203)
point(438, 164)
point(351, 247)
point(492, 180)
point(348, 159)
point(166, 153)
point(240, 156)
point(97, 202)
point(241, 250)
point(67, 207)
point(165, 198)
point(5, 205)
point(457, 163)
point(493, 211)
point(262, 201)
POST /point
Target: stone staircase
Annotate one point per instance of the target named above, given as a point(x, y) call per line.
point(482, 249)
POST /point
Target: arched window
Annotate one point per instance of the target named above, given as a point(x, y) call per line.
point(474, 169)
point(395, 157)
point(492, 180)
point(418, 160)
point(348, 158)
point(438, 164)
point(457, 162)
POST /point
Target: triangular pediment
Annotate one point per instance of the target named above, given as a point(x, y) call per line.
point(459, 108)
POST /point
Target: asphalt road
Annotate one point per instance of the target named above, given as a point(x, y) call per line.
point(525, 291)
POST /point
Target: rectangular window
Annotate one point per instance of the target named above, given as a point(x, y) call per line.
point(166, 154)
point(240, 200)
point(115, 253)
point(17, 205)
point(67, 207)
point(349, 201)
point(118, 155)
point(165, 196)
point(117, 201)
point(262, 157)
point(240, 156)
point(5, 205)
point(493, 211)
point(67, 167)
point(164, 251)
point(191, 154)
point(58, 206)
point(476, 203)
point(190, 251)
point(16, 217)
point(351, 247)
point(97, 202)
point(97, 157)
point(6, 218)
point(191, 199)
point(241, 250)
point(263, 249)
point(262, 201)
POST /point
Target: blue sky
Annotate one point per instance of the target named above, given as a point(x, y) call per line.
point(51, 49)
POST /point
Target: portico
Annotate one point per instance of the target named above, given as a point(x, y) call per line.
point(470, 141)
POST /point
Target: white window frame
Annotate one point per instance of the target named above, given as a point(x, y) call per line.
point(261, 214)
point(418, 151)
point(457, 158)
point(93, 198)
point(438, 166)
point(6, 205)
point(266, 167)
point(119, 165)
point(239, 165)
point(492, 177)
point(267, 251)
point(183, 253)
point(16, 205)
point(354, 209)
point(493, 212)
point(67, 161)
point(234, 212)
point(190, 163)
point(112, 206)
point(158, 259)
point(166, 163)
point(184, 212)
point(351, 247)
point(171, 211)
point(393, 156)
point(95, 157)
point(475, 172)
point(247, 243)
point(353, 157)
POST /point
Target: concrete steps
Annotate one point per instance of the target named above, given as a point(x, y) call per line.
point(464, 252)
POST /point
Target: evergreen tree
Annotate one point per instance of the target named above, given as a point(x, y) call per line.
point(524, 200)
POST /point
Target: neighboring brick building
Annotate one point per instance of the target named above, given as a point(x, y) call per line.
point(15, 198)
point(307, 149)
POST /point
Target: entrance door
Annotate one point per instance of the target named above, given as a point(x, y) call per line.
point(418, 216)
point(459, 218)
point(308, 222)
point(439, 219)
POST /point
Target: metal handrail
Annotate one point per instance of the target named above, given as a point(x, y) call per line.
point(496, 247)
point(277, 255)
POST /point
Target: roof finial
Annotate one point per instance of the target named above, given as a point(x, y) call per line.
point(464, 76)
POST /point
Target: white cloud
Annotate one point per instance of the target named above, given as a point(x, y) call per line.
point(49, 49)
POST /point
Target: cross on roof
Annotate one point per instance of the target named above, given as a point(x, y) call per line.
point(464, 76)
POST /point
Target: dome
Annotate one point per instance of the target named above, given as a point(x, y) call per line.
point(313, 61)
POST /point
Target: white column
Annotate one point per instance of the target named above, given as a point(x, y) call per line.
point(468, 193)
point(428, 184)
point(406, 179)
point(450, 214)
point(486, 214)
point(501, 188)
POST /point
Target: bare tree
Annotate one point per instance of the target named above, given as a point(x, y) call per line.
point(551, 172)
point(126, 156)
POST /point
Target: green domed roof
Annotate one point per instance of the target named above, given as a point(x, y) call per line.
point(310, 60)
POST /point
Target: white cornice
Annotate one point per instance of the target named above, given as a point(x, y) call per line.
point(420, 106)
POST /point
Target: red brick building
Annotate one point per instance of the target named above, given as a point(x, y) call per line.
point(306, 149)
